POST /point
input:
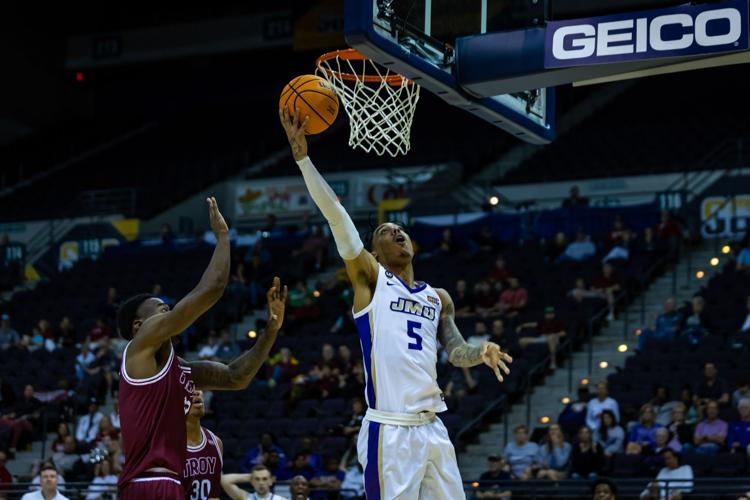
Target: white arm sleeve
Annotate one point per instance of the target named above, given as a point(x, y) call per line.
point(345, 234)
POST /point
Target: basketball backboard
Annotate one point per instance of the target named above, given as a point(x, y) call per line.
point(417, 38)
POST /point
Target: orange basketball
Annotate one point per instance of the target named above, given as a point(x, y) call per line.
point(315, 98)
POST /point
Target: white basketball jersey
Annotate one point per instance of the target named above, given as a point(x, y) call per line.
point(398, 334)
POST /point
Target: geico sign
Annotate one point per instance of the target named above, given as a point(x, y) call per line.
point(638, 35)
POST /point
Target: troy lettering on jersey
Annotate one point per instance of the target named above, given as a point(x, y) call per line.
point(199, 466)
point(414, 308)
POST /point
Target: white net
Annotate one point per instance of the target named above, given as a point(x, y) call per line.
point(380, 104)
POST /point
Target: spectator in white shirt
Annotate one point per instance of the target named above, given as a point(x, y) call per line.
point(104, 482)
point(209, 350)
point(480, 334)
point(48, 481)
point(672, 481)
point(88, 425)
point(261, 479)
point(114, 417)
point(601, 402)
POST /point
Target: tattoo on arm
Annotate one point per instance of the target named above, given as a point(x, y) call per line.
point(459, 352)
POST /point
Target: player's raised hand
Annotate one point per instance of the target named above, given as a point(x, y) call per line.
point(276, 305)
point(218, 224)
point(295, 131)
point(496, 359)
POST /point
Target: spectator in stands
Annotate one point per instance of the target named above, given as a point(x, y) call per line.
point(114, 416)
point(696, 324)
point(69, 461)
point(104, 481)
point(553, 459)
point(500, 272)
point(8, 336)
point(581, 292)
point(711, 432)
point(497, 470)
point(601, 402)
point(738, 436)
point(344, 360)
point(579, 250)
point(66, 332)
point(485, 240)
point(608, 284)
point(669, 231)
point(108, 309)
point(106, 432)
point(609, 435)
point(228, 347)
point(521, 453)
point(619, 233)
point(354, 422)
point(672, 481)
point(479, 335)
point(664, 442)
point(485, 300)
point(681, 431)
point(688, 400)
point(63, 431)
point(21, 418)
point(258, 454)
point(603, 489)
point(664, 331)
point(587, 457)
point(642, 435)
point(554, 249)
point(548, 331)
point(662, 404)
point(575, 199)
point(497, 335)
point(260, 478)
point(712, 387)
point(462, 300)
point(283, 367)
point(460, 383)
point(307, 448)
point(83, 361)
point(44, 335)
point(88, 424)
point(48, 480)
point(574, 414)
point(328, 479)
point(298, 467)
point(742, 391)
point(99, 333)
point(514, 299)
point(447, 245)
point(211, 348)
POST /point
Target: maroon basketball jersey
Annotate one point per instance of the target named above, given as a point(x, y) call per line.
point(152, 418)
point(201, 477)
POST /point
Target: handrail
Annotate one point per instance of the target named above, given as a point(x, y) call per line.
point(502, 400)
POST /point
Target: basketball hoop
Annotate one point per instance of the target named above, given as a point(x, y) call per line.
point(379, 102)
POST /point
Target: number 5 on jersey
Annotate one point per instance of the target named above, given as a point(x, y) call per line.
point(411, 330)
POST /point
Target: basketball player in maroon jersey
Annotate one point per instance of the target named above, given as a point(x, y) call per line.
point(156, 387)
point(201, 477)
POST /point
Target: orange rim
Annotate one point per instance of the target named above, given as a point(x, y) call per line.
point(355, 55)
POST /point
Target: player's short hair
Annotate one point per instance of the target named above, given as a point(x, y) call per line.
point(260, 468)
point(47, 466)
point(128, 312)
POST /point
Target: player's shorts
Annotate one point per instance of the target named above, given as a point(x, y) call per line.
point(152, 487)
point(408, 461)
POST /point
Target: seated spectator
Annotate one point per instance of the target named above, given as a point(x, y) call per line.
point(579, 250)
point(696, 324)
point(8, 336)
point(498, 336)
point(580, 293)
point(497, 470)
point(554, 249)
point(553, 458)
point(574, 414)
point(485, 240)
point(479, 335)
point(106, 432)
point(63, 431)
point(460, 383)
point(587, 457)
point(84, 360)
point(88, 424)
point(298, 295)
point(98, 333)
point(298, 467)
point(344, 360)
point(21, 418)
point(521, 453)
point(228, 348)
point(353, 485)
point(603, 489)
point(354, 422)
point(69, 461)
point(574, 199)
point(485, 300)
point(681, 431)
point(66, 332)
point(609, 436)
point(711, 432)
point(108, 308)
point(664, 331)
point(260, 478)
point(211, 348)
point(258, 454)
point(669, 231)
point(712, 387)
point(643, 434)
point(619, 234)
point(664, 442)
point(672, 481)
point(738, 436)
point(104, 481)
point(608, 284)
point(48, 481)
point(283, 367)
point(328, 479)
point(688, 400)
point(307, 448)
point(514, 299)
point(447, 245)
point(662, 404)
point(313, 250)
point(742, 391)
point(114, 416)
point(462, 300)
point(500, 272)
point(601, 402)
point(548, 331)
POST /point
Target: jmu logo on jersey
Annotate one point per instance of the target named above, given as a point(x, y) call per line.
point(407, 306)
point(195, 466)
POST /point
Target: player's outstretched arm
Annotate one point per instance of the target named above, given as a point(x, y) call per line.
point(361, 266)
point(239, 373)
point(460, 353)
point(229, 483)
point(159, 328)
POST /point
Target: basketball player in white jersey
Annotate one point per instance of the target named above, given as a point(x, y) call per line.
point(403, 448)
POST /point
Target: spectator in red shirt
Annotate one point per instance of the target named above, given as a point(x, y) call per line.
point(608, 284)
point(499, 273)
point(514, 299)
point(99, 333)
point(548, 331)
